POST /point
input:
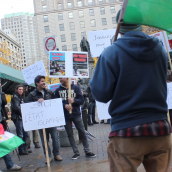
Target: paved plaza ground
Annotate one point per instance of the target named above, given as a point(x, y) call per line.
point(35, 162)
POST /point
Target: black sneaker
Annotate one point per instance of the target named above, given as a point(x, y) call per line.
point(91, 155)
point(76, 156)
point(95, 122)
point(29, 150)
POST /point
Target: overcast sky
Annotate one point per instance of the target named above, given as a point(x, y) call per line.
point(14, 6)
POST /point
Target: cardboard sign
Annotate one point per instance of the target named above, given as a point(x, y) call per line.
point(99, 40)
point(102, 110)
point(69, 64)
point(31, 72)
point(47, 114)
point(53, 87)
point(159, 35)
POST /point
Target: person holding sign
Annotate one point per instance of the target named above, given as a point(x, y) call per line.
point(40, 94)
point(134, 69)
point(76, 100)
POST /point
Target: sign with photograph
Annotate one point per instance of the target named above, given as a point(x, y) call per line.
point(102, 110)
point(37, 115)
point(99, 40)
point(31, 72)
point(68, 64)
point(53, 87)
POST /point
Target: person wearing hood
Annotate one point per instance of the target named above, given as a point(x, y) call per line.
point(134, 69)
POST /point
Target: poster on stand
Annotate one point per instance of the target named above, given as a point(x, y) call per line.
point(53, 87)
point(69, 64)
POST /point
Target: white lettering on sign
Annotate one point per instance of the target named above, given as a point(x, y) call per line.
point(47, 114)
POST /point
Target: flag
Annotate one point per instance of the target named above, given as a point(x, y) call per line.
point(155, 13)
point(8, 142)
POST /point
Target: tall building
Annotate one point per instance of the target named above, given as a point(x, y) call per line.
point(23, 24)
point(70, 20)
point(11, 34)
point(10, 50)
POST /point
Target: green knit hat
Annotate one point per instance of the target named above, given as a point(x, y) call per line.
point(127, 27)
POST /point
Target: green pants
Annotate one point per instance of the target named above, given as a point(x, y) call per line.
point(35, 138)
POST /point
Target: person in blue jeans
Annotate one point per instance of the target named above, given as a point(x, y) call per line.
point(10, 164)
point(3, 117)
point(16, 116)
point(40, 94)
point(91, 108)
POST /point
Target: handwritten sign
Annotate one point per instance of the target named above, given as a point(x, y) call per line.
point(102, 110)
point(99, 40)
point(47, 114)
point(53, 87)
point(31, 72)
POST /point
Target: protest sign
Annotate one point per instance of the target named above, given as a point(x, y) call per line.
point(68, 64)
point(47, 114)
point(53, 87)
point(31, 72)
point(169, 95)
point(99, 40)
point(169, 41)
point(102, 110)
point(159, 35)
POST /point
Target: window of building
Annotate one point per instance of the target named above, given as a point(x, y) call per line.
point(79, 3)
point(112, 9)
point(47, 29)
point(59, 6)
point(61, 27)
point(93, 23)
point(74, 47)
point(72, 25)
point(63, 38)
point(81, 13)
point(64, 48)
point(70, 15)
point(90, 2)
point(60, 16)
point(44, 7)
point(0, 39)
point(73, 36)
point(104, 22)
point(91, 12)
point(100, 1)
point(69, 5)
point(83, 34)
point(102, 11)
point(45, 18)
point(114, 20)
point(82, 24)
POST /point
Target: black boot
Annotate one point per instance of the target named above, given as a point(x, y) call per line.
point(23, 152)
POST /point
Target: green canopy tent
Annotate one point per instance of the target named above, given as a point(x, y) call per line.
point(10, 78)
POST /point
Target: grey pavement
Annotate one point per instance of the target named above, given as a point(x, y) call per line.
point(35, 162)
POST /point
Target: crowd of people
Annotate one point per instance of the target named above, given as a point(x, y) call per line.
point(78, 100)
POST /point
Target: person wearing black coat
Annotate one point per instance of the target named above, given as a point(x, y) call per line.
point(3, 117)
point(16, 117)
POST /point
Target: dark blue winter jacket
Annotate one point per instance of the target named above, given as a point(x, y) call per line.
point(76, 94)
point(132, 73)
